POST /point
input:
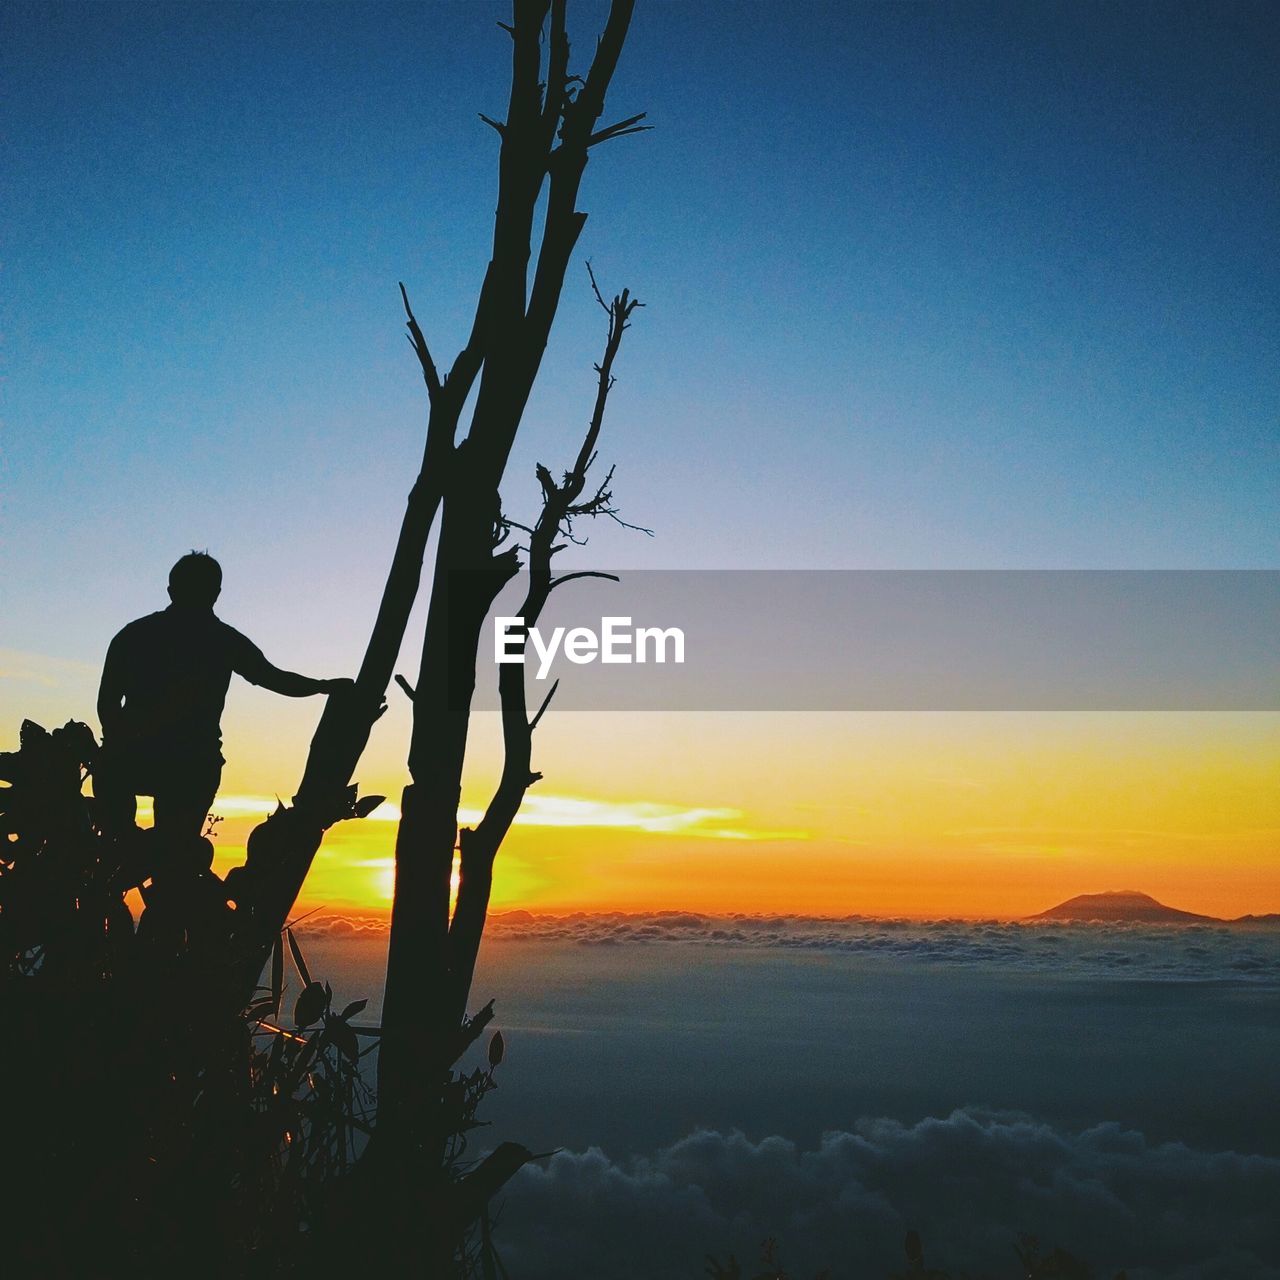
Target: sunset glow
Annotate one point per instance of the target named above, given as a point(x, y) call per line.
point(919, 814)
point(996, 347)
point(876, 815)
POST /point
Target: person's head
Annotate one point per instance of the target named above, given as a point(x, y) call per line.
point(195, 581)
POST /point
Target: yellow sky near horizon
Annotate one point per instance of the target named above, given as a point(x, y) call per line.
point(915, 814)
point(901, 814)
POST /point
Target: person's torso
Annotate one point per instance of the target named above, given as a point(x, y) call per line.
point(175, 669)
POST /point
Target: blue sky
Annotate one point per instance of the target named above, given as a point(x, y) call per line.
point(927, 286)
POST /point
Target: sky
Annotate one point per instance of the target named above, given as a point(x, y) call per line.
point(926, 286)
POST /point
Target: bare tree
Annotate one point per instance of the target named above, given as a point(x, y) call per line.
point(547, 135)
point(424, 1036)
point(562, 503)
point(546, 138)
point(552, 124)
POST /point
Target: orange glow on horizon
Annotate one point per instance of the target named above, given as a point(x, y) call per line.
point(961, 816)
point(908, 814)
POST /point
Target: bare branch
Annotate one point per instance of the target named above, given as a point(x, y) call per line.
point(636, 528)
point(564, 222)
point(509, 523)
point(619, 312)
point(590, 102)
point(620, 130)
point(514, 326)
point(526, 57)
point(419, 344)
point(582, 573)
point(558, 79)
point(406, 686)
point(546, 702)
point(549, 489)
point(595, 288)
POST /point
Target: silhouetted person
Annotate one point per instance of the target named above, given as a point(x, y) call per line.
point(164, 683)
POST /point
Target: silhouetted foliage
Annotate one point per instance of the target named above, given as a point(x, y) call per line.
point(148, 1132)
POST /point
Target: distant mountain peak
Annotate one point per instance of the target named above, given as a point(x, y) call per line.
point(1121, 905)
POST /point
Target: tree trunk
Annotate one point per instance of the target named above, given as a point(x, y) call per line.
point(545, 134)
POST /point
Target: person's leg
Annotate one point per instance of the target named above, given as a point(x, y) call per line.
point(182, 802)
point(115, 801)
point(180, 814)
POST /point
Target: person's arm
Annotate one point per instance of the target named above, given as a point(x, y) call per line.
point(251, 663)
point(111, 691)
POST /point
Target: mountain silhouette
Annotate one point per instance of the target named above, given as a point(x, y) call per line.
point(1122, 905)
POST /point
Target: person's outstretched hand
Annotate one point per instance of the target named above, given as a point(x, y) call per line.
point(342, 685)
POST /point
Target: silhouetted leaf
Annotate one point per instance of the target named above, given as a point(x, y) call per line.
point(367, 804)
point(277, 974)
point(352, 1009)
point(303, 972)
point(470, 1032)
point(497, 1047)
point(344, 1038)
point(310, 1005)
point(474, 1191)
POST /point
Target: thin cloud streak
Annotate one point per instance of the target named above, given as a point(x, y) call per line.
point(645, 816)
point(37, 668)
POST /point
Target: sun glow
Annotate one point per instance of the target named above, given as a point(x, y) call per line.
point(907, 814)
point(917, 815)
point(383, 880)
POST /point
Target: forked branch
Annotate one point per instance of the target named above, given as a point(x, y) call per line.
point(560, 503)
point(419, 344)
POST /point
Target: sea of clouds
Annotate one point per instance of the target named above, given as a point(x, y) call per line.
point(1196, 952)
point(971, 1183)
point(970, 1180)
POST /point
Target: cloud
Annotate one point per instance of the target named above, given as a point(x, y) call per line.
point(26, 675)
point(545, 810)
point(970, 1183)
point(330, 924)
point(1181, 953)
point(240, 806)
point(1184, 953)
point(37, 668)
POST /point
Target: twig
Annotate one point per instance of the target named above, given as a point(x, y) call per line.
point(582, 573)
point(546, 702)
point(419, 344)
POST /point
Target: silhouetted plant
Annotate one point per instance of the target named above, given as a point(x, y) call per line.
point(169, 1136)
